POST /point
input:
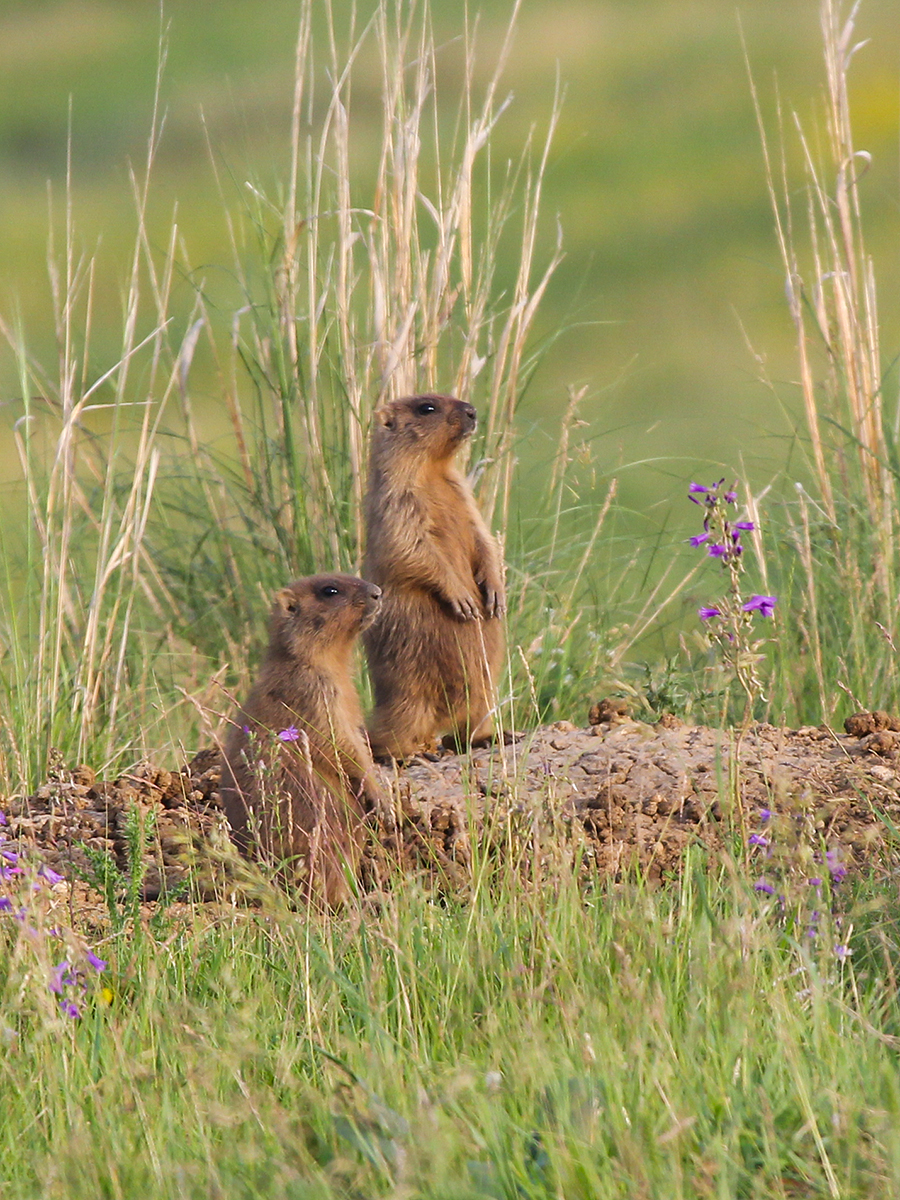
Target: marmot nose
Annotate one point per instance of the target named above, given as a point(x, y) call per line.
point(470, 412)
point(374, 591)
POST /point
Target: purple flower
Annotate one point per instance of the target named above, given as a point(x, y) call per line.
point(744, 525)
point(762, 886)
point(245, 728)
point(757, 839)
point(764, 605)
point(97, 963)
point(717, 551)
point(9, 872)
point(729, 497)
point(291, 734)
point(697, 489)
point(699, 538)
point(5, 904)
point(3, 820)
point(49, 874)
point(765, 814)
point(11, 857)
point(842, 951)
point(70, 1009)
point(835, 866)
point(814, 882)
point(707, 613)
point(59, 977)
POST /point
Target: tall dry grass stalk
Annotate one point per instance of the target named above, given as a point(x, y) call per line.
point(89, 446)
point(390, 285)
point(851, 528)
point(833, 304)
point(383, 283)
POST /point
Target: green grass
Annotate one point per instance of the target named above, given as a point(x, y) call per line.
point(528, 1041)
point(548, 1033)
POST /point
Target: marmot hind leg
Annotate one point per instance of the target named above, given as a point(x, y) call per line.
point(399, 732)
point(474, 728)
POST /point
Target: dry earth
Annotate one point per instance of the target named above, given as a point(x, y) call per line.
point(623, 793)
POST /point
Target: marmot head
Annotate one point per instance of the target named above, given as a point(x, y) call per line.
point(430, 425)
point(320, 613)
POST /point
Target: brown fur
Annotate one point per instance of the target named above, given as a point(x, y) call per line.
point(436, 650)
point(301, 802)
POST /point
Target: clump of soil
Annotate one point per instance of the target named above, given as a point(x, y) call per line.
point(628, 794)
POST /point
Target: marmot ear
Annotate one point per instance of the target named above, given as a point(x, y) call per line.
point(286, 600)
point(385, 417)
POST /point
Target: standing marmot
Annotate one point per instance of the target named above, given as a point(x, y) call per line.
point(437, 647)
point(297, 773)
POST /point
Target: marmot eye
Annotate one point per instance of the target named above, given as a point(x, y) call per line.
point(292, 607)
point(425, 408)
point(329, 590)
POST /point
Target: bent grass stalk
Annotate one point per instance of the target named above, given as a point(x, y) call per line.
point(379, 288)
point(851, 433)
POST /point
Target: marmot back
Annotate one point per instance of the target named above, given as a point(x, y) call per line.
point(297, 772)
point(437, 647)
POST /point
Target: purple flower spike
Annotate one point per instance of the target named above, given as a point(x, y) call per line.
point(764, 605)
point(58, 977)
point(837, 869)
point(699, 539)
point(757, 839)
point(707, 613)
point(97, 963)
point(762, 886)
point(291, 734)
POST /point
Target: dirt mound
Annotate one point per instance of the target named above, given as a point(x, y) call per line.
point(628, 794)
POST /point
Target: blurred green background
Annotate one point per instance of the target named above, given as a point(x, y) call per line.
point(656, 175)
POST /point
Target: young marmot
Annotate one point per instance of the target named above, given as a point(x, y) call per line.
point(297, 772)
point(436, 649)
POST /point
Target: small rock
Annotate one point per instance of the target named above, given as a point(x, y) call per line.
point(882, 742)
point(885, 774)
point(613, 710)
point(863, 723)
point(859, 724)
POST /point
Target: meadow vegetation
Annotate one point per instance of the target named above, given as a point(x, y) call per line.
point(540, 1035)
